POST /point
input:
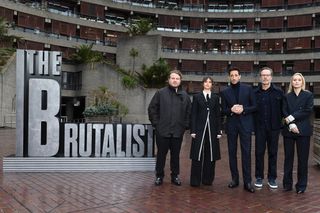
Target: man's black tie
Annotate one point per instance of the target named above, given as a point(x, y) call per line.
point(208, 97)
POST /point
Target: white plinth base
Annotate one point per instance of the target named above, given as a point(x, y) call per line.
point(83, 164)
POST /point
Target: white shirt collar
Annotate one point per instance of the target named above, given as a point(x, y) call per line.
point(205, 94)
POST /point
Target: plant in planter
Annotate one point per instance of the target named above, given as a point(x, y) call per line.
point(129, 81)
point(140, 26)
point(156, 75)
point(104, 107)
point(85, 55)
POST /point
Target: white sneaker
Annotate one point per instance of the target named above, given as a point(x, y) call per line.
point(259, 183)
point(272, 184)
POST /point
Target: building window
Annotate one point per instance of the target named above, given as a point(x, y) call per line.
point(71, 80)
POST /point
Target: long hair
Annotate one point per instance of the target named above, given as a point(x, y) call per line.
point(303, 82)
point(207, 78)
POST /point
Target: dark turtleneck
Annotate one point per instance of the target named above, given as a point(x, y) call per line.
point(236, 89)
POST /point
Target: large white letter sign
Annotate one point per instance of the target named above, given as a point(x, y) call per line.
point(44, 126)
point(38, 103)
point(40, 132)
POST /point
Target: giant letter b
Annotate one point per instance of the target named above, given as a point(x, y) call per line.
point(44, 126)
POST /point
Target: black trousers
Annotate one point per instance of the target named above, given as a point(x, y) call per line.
point(164, 144)
point(203, 171)
point(303, 145)
point(245, 143)
point(266, 139)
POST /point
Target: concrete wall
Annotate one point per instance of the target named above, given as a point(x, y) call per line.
point(8, 94)
point(148, 48)
point(137, 100)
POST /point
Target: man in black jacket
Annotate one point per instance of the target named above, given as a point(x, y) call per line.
point(169, 113)
point(268, 122)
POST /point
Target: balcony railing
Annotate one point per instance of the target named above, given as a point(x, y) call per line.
point(66, 38)
point(239, 52)
point(245, 8)
point(254, 73)
point(124, 23)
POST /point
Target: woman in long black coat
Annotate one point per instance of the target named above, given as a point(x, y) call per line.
point(205, 132)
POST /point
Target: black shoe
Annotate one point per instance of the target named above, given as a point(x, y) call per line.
point(176, 180)
point(206, 184)
point(158, 181)
point(249, 187)
point(233, 184)
point(287, 188)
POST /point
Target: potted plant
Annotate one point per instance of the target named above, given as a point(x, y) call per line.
point(104, 107)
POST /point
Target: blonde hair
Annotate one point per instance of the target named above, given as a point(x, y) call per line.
point(303, 82)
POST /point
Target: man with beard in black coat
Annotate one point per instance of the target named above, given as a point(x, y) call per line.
point(169, 113)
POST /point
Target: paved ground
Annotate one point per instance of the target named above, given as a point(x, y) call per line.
point(134, 191)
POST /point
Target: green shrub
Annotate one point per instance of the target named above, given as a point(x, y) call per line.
point(100, 110)
point(85, 55)
point(156, 75)
point(140, 26)
point(104, 103)
point(129, 81)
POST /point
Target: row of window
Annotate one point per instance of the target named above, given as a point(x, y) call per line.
point(108, 40)
point(175, 45)
point(198, 67)
point(199, 6)
point(288, 45)
point(221, 6)
point(57, 28)
point(97, 13)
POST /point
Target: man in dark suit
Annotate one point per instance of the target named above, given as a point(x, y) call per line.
point(239, 104)
point(268, 122)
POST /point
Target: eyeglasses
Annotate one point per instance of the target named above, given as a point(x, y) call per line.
point(265, 75)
